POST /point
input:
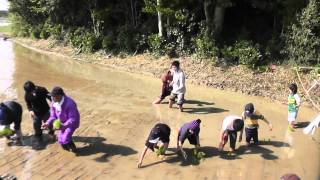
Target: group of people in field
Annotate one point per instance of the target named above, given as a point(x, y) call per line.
point(62, 114)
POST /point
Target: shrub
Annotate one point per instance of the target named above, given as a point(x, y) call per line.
point(205, 44)
point(244, 52)
point(107, 43)
point(248, 54)
point(83, 40)
point(303, 38)
point(126, 40)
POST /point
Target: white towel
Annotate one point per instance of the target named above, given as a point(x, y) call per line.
point(58, 105)
point(312, 126)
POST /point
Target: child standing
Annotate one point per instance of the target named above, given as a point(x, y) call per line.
point(251, 117)
point(293, 105)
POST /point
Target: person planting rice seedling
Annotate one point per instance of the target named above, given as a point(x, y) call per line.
point(36, 101)
point(158, 138)
point(11, 113)
point(64, 109)
point(230, 126)
point(190, 131)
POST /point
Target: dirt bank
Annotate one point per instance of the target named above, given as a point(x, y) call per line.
point(271, 83)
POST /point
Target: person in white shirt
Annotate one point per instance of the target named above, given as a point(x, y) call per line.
point(178, 85)
point(230, 126)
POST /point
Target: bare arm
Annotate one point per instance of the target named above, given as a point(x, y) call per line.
point(143, 154)
point(267, 122)
point(240, 136)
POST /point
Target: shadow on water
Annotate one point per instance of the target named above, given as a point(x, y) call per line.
point(302, 124)
point(198, 103)
point(265, 153)
point(205, 110)
point(175, 158)
point(95, 145)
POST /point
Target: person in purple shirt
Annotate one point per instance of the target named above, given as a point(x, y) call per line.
point(64, 109)
point(191, 132)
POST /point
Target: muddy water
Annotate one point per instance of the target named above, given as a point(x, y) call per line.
point(116, 116)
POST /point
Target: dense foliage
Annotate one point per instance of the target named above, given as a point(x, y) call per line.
point(248, 32)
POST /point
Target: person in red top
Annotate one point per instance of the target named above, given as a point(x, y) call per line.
point(166, 89)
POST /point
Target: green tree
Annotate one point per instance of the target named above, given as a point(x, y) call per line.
point(303, 39)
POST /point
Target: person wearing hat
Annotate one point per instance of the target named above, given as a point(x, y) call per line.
point(36, 100)
point(11, 112)
point(159, 133)
point(251, 119)
point(64, 110)
point(230, 126)
point(190, 131)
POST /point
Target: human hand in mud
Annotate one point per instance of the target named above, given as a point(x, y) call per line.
point(139, 164)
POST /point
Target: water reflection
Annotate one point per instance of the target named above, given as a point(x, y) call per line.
point(7, 68)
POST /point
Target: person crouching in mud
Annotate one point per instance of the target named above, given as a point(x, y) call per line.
point(230, 126)
point(166, 88)
point(64, 110)
point(160, 134)
point(11, 112)
point(191, 132)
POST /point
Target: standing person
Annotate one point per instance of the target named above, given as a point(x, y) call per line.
point(294, 102)
point(11, 112)
point(36, 100)
point(64, 110)
point(166, 89)
point(178, 85)
point(159, 133)
point(251, 117)
point(230, 126)
point(190, 131)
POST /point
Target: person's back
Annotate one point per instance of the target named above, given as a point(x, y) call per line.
point(11, 112)
point(166, 79)
point(37, 100)
point(14, 110)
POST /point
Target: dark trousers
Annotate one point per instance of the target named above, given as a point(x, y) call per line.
point(69, 147)
point(37, 122)
point(232, 138)
point(251, 134)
